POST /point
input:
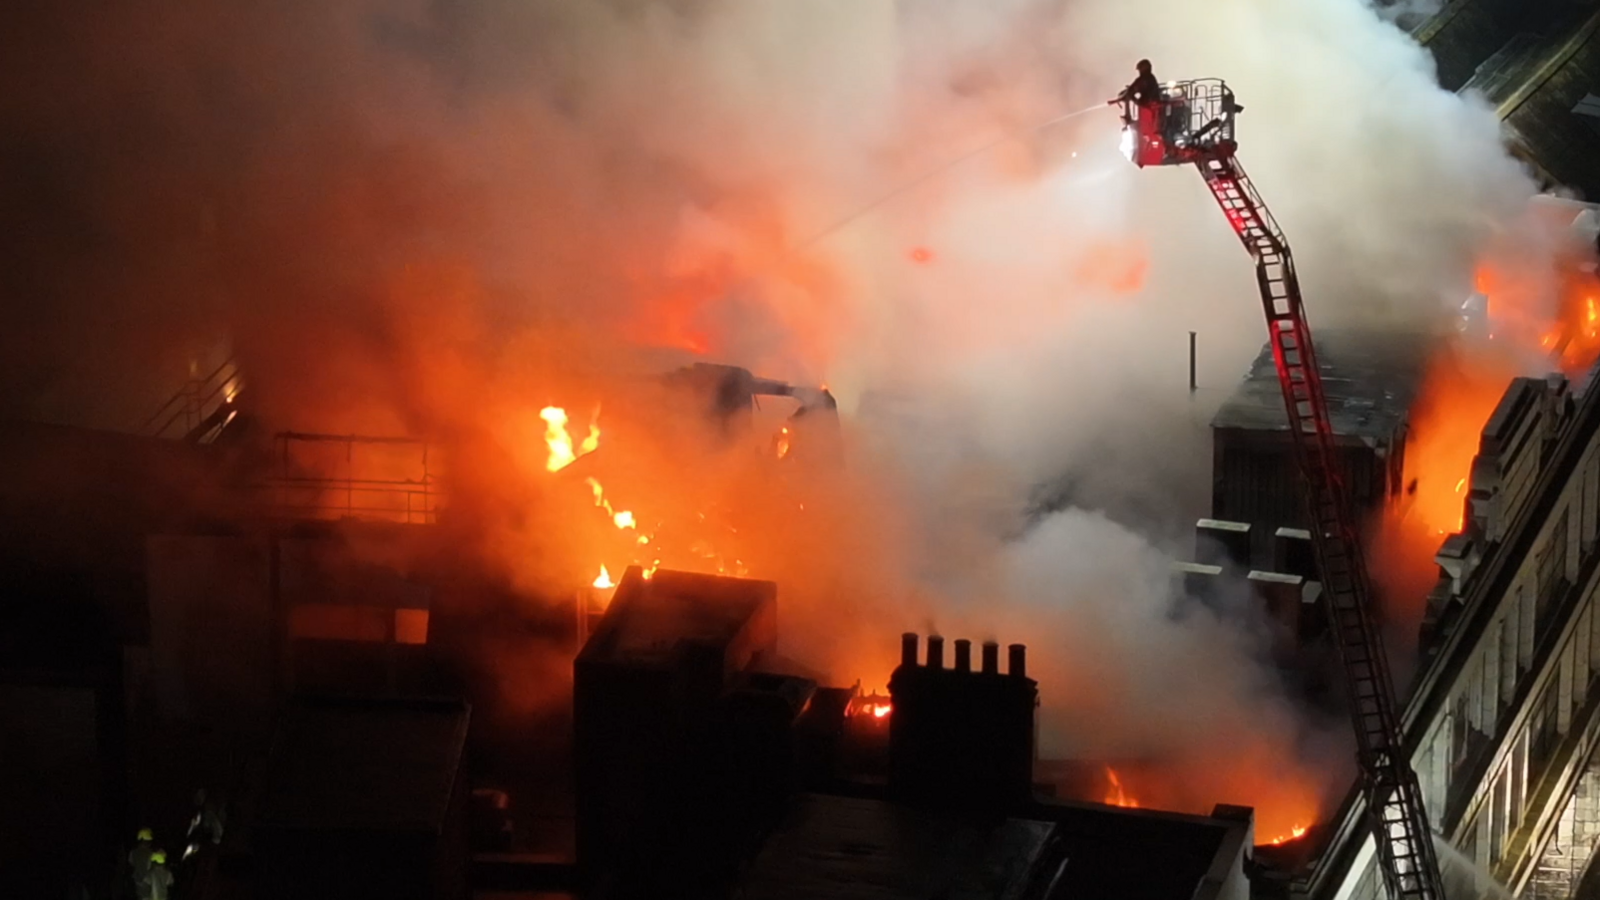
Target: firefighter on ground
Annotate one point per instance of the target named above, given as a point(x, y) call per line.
point(205, 827)
point(157, 884)
point(1144, 90)
point(139, 858)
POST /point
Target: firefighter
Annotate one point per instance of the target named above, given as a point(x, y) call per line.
point(139, 858)
point(157, 884)
point(1144, 90)
point(205, 826)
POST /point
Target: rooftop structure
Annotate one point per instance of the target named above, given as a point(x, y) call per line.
point(870, 849)
point(1371, 380)
point(1536, 63)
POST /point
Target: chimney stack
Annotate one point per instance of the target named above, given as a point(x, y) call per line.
point(991, 658)
point(963, 655)
point(960, 738)
point(908, 649)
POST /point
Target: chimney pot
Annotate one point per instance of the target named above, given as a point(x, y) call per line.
point(963, 656)
point(991, 658)
point(1019, 660)
point(935, 652)
point(908, 649)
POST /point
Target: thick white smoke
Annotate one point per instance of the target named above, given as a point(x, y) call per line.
point(410, 211)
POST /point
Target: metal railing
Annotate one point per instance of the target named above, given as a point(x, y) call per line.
point(307, 491)
point(199, 410)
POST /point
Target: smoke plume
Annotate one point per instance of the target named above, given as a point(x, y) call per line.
point(436, 218)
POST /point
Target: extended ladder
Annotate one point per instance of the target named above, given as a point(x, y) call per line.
point(1393, 796)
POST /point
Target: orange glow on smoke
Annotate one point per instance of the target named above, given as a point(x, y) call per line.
point(921, 254)
point(1117, 267)
point(1556, 312)
point(1463, 385)
point(1458, 396)
point(1116, 795)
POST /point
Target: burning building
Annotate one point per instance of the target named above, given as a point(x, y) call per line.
point(1501, 714)
point(1372, 381)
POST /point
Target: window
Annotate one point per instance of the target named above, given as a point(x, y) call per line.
point(1542, 733)
point(1551, 569)
point(1588, 112)
point(1464, 738)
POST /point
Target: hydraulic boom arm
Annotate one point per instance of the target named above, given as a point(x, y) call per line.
point(1394, 798)
point(1193, 123)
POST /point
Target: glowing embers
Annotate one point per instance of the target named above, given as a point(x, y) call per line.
point(559, 442)
point(1116, 794)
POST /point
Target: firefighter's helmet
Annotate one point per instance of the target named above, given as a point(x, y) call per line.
point(145, 834)
point(159, 858)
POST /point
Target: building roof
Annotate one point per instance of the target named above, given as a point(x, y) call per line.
point(1536, 62)
point(1538, 83)
point(1370, 378)
point(1109, 851)
point(650, 621)
point(1464, 33)
point(868, 849)
point(845, 848)
point(380, 765)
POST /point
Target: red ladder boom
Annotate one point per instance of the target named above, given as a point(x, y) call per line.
point(1394, 798)
point(1193, 123)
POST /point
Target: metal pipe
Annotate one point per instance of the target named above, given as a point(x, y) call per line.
point(963, 655)
point(908, 649)
point(935, 652)
point(1019, 660)
point(991, 658)
point(1194, 384)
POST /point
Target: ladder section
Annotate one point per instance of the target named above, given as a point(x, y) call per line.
point(1393, 796)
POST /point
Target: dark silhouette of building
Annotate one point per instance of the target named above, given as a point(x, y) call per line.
point(960, 736)
point(364, 798)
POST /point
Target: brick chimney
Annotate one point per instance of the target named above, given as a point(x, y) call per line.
point(960, 737)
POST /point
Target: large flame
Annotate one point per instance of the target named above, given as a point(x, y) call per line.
point(1116, 795)
point(1459, 394)
point(559, 442)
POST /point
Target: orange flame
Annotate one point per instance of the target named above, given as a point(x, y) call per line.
point(782, 442)
point(559, 441)
point(875, 705)
point(1116, 796)
point(604, 580)
point(1295, 833)
point(1456, 402)
point(620, 518)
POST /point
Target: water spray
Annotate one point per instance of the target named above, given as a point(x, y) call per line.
point(939, 170)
